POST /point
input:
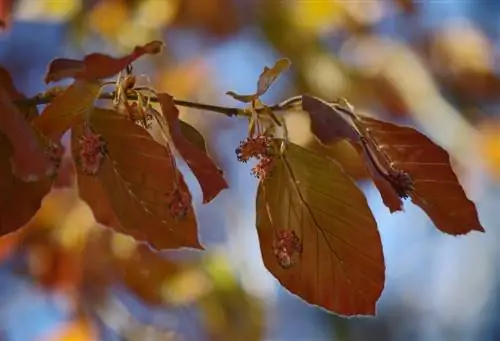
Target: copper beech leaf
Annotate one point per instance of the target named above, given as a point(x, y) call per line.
point(402, 163)
point(437, 191)
point(141, 181)
point(97, 65)
point(67, 109)
point(209, 176)
point(19, 200)
point(339, 264)
point(266, 78)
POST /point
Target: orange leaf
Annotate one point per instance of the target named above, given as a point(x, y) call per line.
point(266, 78)
point(209, 176)
point(67, 109)
point(96, 65)
point(392, 149)
point(143, 186)
point(318, 236)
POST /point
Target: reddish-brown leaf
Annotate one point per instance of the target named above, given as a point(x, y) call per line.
point(29, 161)
point(336, 260)
point(328, 123)
point(209, 176)
point(68, 109)
point(97, 66)
point(393, 148)
point(140, 180)
point(266, 78)
point(19, 200)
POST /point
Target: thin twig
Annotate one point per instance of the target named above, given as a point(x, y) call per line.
point(46, 98)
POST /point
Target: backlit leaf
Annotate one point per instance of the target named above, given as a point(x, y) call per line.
point(67, 109)
point(19, 200)
point(436, 188)
point(266, 78)
point(209, 176)
point(97, 65)
point(141, 182)
point(340, 266)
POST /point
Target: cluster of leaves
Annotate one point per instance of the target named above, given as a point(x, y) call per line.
point(317, 234)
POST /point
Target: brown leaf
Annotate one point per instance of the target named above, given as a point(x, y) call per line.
point(209, 176)
point(19, 200)
point(266, 78)
point(97, 65)
point(68, 109)
point(328, 123)
point(393, 149)
point(141, 182)
point(318, 236)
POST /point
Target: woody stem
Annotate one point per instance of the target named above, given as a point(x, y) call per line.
point(46, 98)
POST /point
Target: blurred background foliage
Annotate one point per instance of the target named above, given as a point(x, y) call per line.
point(430, 64)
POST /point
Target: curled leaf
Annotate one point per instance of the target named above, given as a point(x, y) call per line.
point(67, 109)
point(266, 78)
point(329, 124)
point(145, 190)
point(97, 66)
point(404, 162)
point(318, 236)
point(209, 176)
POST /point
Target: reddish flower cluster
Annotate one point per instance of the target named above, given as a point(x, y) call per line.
point(179, 203)
point(287, 247)
point(401, 182)
point(259, 147)
point(92, 151)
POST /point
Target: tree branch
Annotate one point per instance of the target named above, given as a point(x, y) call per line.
point(46, 98)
